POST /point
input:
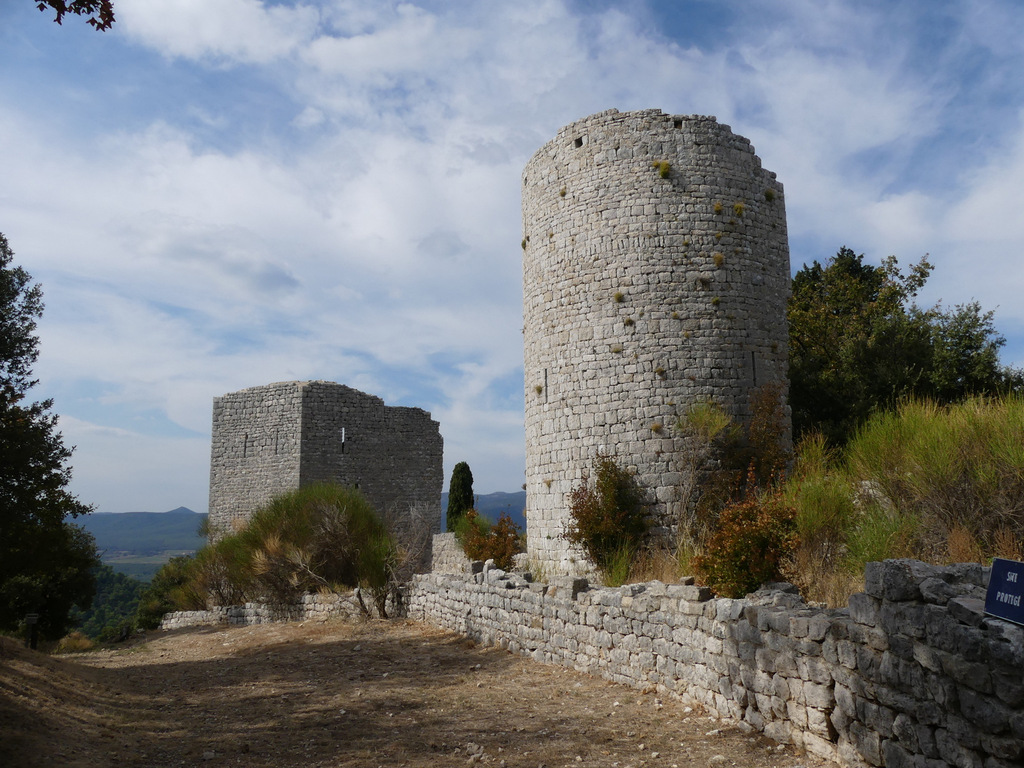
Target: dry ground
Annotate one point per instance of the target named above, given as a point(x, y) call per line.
point(337, 694)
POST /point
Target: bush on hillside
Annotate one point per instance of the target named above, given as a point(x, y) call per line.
point(175, 587)
point(957, 469)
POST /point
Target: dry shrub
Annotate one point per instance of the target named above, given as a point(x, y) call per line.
point(76, 642)
point(963, 547)
point(1006, 545)
point(656, 565)
point(607, 520)
point(722, 463)
point(750, 545)
point(482, 541)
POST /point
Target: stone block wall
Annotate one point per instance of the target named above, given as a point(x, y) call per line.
point(448, 556)
point(310, 608)
point(655, 275)
point(911, 674)
point(276, 438)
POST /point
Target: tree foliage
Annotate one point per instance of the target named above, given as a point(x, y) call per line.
point(112, 615)
point(46, 562)
point(460, 494)
point(859, 343)
point(100, 12)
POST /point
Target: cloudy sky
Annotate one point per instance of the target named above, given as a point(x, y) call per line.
point(225, 193)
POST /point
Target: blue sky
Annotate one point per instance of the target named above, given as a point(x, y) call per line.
point(225, 193)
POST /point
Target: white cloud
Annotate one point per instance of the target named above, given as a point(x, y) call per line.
point(124, 471)
point(226, 31)
point(355, 214)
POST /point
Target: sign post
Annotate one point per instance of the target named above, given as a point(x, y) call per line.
point(1005, 596)
point(32, 621)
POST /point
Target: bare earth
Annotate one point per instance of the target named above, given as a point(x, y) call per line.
point(337, 694)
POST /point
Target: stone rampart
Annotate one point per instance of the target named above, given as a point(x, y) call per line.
point(911, 674)
point(310, 608)
point(655, 276)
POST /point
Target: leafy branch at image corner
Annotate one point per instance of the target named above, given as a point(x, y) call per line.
point(100, 12)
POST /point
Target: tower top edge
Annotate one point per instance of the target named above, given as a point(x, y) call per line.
point(643, 120)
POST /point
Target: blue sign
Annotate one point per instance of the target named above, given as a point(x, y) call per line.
point(1006, 590)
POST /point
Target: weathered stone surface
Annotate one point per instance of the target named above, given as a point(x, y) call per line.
point(655, 274)
point(272, 439)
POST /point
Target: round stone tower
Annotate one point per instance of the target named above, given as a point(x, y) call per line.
point(655, 276)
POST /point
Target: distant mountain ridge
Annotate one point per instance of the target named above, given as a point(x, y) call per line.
point(145, 533)
point(138, 543)
point(491, 505)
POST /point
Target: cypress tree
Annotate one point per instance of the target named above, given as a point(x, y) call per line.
point(460, 494)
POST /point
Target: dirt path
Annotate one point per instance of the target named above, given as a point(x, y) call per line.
point(373, 694)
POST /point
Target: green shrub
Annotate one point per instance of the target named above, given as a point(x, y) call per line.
point(749, 546)
point(879, 534)
point(609, 518)
point(482, 541)
point(957, 469)
point(320, 537)
point(173, 588)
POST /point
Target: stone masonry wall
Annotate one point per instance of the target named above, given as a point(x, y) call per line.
point(912, 674)
point(276, 438)
point(255, 450)
point(310, 608)
point(644, 291)
point(447, 555)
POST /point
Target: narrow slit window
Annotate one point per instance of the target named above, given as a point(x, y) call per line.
point(342, 439)
point(753, 366)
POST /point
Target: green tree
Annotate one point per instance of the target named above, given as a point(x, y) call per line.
point(112, 615)
point(172, 589)
point(46, 562)
point(100, 12)
point(858, 343)
point(460, 494)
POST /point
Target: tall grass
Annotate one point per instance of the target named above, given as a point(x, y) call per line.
point(957, 469)
point(938, 483)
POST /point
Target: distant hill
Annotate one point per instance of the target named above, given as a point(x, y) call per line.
point(491, 505)
point(145, 533)
point(138, 543)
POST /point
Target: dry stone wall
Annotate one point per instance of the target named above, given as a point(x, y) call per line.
point(911, 674)
point(655, 275)
point(310, 608)
point(276, 438)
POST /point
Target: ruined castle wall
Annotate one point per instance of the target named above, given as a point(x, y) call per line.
point(319, 431)
point(655, 275)
point(255, 450)
point(911, 674)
